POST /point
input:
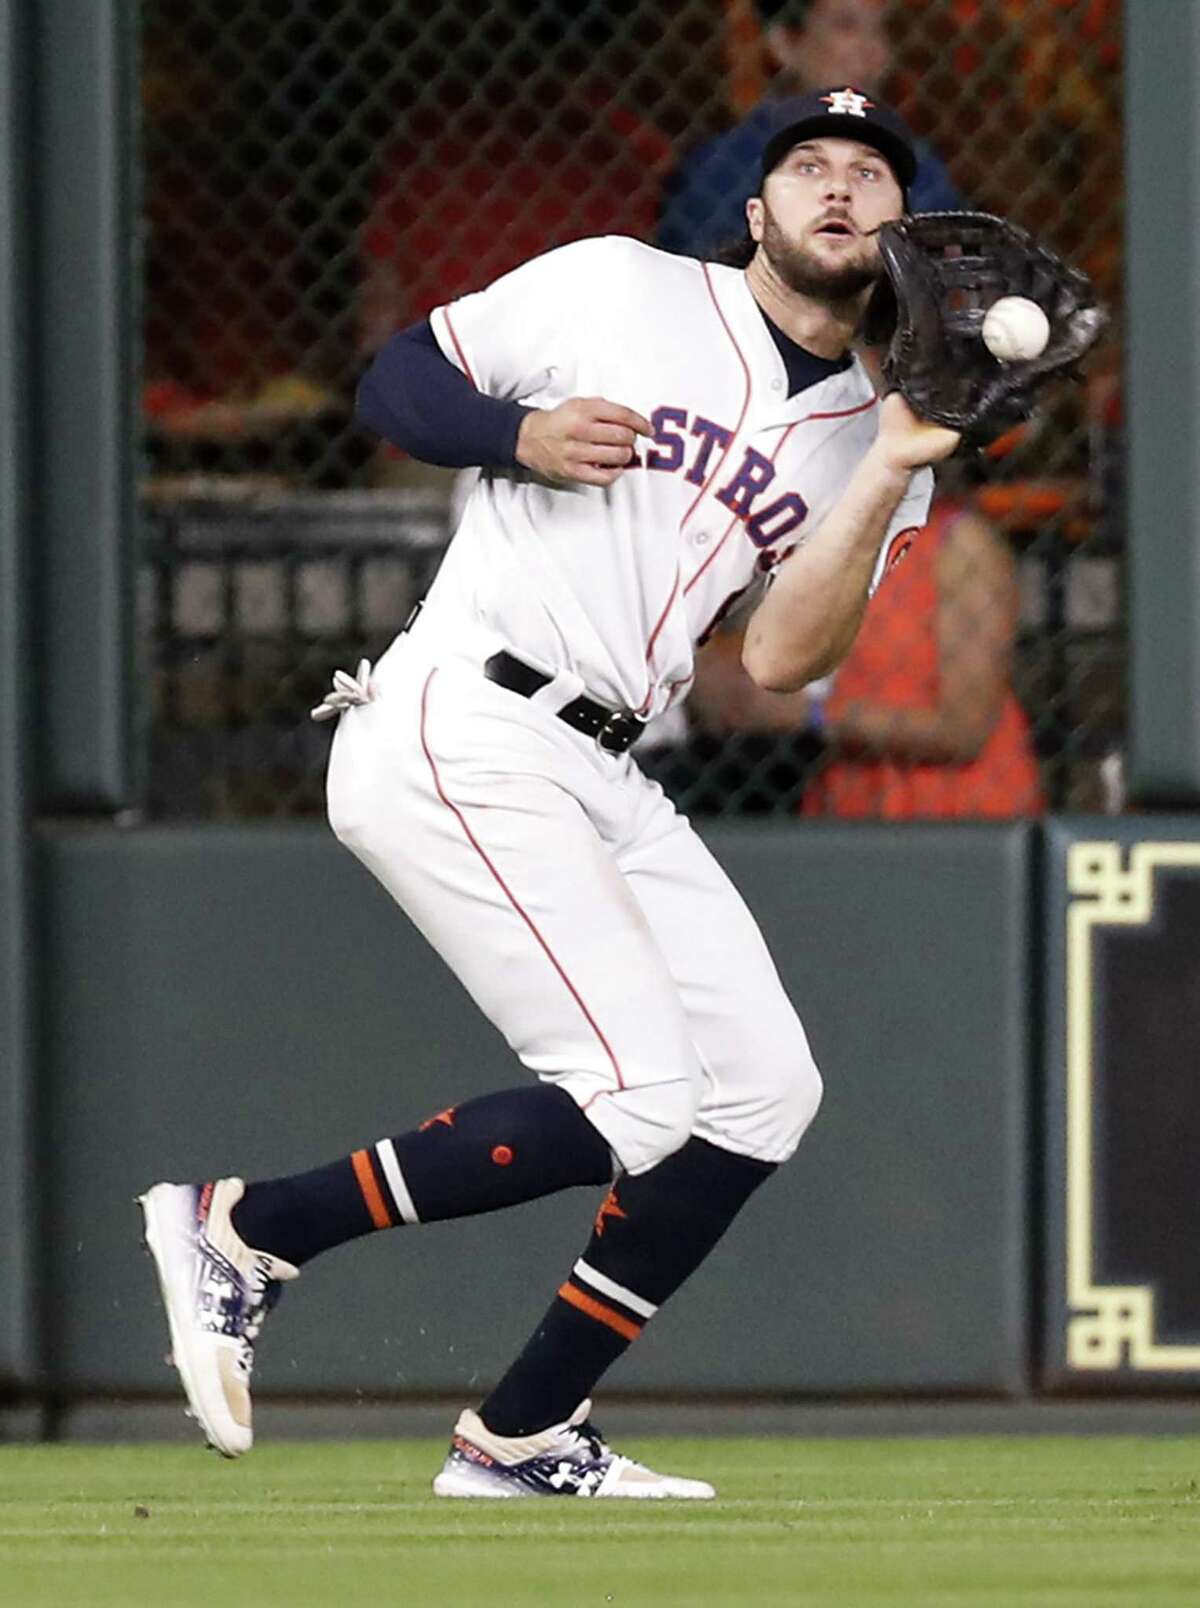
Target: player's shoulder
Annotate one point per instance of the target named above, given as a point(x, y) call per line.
point(862, 388)
point(612, 276)
point(623, 251)
point(722, 276)
point(629, 273)
point(595, 269)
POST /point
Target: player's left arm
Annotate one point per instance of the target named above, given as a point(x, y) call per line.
point(453, 390)
point(808, 619)
point(414, 397)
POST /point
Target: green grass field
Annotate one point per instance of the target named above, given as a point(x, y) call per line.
point(1087, 1522)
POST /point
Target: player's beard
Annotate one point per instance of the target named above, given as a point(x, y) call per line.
point(802, 271)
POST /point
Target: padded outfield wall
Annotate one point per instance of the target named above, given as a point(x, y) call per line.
point(251, 1001)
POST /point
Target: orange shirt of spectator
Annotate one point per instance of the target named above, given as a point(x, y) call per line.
point(922, 717)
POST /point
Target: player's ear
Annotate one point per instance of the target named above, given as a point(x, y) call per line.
point(754, 218)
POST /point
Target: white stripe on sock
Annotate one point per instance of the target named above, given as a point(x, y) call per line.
point(615, 1291)
point(386, 1151)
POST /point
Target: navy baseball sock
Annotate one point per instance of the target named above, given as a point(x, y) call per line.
point(651, 1233)
point(491, 1152)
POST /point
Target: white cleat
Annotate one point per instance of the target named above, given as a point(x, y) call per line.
point(568, 1459)
point(217, 1292)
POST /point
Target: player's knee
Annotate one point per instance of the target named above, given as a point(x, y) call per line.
point(790, 1099)
point(797, 1098)
point(678, 1117)
point(646, 1125)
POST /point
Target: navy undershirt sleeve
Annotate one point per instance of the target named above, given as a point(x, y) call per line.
point(414, 397)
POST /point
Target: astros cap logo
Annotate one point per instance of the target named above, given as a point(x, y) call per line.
point(849, 102)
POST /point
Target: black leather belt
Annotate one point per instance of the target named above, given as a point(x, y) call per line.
point(614, 729)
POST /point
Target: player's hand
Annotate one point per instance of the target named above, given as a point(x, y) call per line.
point(906, 441)
point(585, 439)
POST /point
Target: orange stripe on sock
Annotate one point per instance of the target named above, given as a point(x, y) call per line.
point(365, 1174)
point(602, 1314)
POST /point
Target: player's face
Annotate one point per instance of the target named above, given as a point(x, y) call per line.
point(817, 217)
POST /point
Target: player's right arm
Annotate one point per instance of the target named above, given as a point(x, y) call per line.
point(807, 621)
point(451, 390)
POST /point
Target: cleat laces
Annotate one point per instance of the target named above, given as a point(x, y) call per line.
point(263, 1294)
point(233, 1304)
point(590, 1463)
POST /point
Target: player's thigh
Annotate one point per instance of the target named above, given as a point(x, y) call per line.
point(762, 1085)
point(481, 840)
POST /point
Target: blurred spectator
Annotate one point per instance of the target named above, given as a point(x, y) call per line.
point(813, 43)
point(232, 376)
point(921, 720)
point(978, 72)
point(467, 193)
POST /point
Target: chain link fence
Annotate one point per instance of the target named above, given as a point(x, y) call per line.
point(319, 173)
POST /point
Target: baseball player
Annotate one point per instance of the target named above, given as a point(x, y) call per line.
point(658, 437)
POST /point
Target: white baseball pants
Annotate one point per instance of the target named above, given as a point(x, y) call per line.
point(579, 910)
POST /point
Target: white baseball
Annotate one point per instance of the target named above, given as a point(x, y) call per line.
point(1015, 329)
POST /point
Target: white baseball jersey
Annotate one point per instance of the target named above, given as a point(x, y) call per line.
point(616, 585)
point(579, 909)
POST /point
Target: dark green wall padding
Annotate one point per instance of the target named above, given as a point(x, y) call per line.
point(18, 1250)
point(85, 237)
point(1162, 397)
point(249, 1000)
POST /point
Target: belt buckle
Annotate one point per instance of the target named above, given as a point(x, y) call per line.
point(614, 729)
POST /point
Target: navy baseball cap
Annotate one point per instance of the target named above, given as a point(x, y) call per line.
point(846, 114)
